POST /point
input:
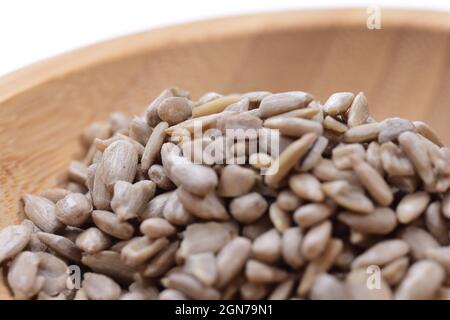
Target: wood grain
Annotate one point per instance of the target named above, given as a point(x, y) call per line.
point(404, 69)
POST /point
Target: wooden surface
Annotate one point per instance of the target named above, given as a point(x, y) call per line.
point(404, 69)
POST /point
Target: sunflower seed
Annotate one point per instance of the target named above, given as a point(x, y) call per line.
point(278, 103)
point(358, 113)
point(158, 176)
point(13, 239)
point(157, 228)
point(208, 207)
point(231, 260)
point(394, 271)
point(338, 103)
point(412, 206)
point(248, 208)
point(380, 221)
point(311, 214)
point(110, 264)
point(110, 224)
point(93, 240)
point(235, 181)
point(142, 249)
point(130, 199)
point(382, 253)
point(174, 110)
point(421, 282)
point(294, 127)
point(23, 276)
point(62, 246)
point(74, 209)
point(43, 213)
point(202, 266)
point(100, 287)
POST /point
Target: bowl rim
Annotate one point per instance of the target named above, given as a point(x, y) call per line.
point(26, 78)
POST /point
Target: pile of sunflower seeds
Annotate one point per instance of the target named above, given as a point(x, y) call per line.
point(331, 204)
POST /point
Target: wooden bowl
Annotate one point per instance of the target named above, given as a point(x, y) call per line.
point(404, 69)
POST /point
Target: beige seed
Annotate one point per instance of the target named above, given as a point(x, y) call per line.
point(101, 145)
point(153, 146)
point(260, 160)
point(43, 213)
point(394, 272)
point(441, 255)
point(328, 287)
point(174, 212)
point(343, 154)
point(13, 239)
point(119, 162)
point(215, 106)
point(316, 240)
point(372, 181)
point(320, 265)
point(110, 264)
point(261, 273)
point(55, 273)
point(332, 124)
point(362, 133)
point(436, 223)
point(380, 221)
point(394, 161)
point(281, 220)
point(294, 127)
point(391, 128)
point(338, 103)
point(93, 240)
point(202, 266)
point(255, 97)
point(110, 223)
point(218, 236)
point(291, 247)
point(242, 121)
point(61, 245)
point(158, 176)
point(359, 286)
point(157, 228)
point(208, 207)
point(139, 130)
point(142, 249)
point(100, 287)
point(325, 170)
point(414, 148)
point(358, 112)
point(282, 291)
point(382, 253)
point(288, 158)
point(129, 199)
point(253, 230)
point(311, 214)
point(151, 113)
point(174, 110)
point(278, 103)
point(253, 291)
point(267, 247)
point(23, 276)
point(313, 156)
point(171, 294)
point(162, 262)
point(54, 194)
point(419, 240)
point(412, 206)
point(307, 187)
point(231, 260)
point(190, 286)
point(197, 179)
point(288, 201)
point(306, 113)
point(156, 206)
point(235, 181)
point(373, 157)
point(426, 131)
point(74, 209)
point(352, 200)
point(421, 282)
point(248, 208)
point(240, 106)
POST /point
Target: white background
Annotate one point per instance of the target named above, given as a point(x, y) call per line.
point(31, 30)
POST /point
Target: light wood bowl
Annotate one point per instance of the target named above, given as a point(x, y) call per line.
point(404, 69)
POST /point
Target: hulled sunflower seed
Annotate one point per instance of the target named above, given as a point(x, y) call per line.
point(358, 113)
point(393, 127)
point(202, 266)
point(313, 156)
point(110, 224)
point(332, 124)
point(153, 146)
point(380, 221)
point(412, 206)
point(248, 208)
point(307, 187)
point(231, 260)
point(74, 209)
point(316, 240)
point(142, 249)
point(312, 213)
point(55, 273)
point(338, 103)
point(157, 228)
point(156, 206)
point(291, 244)
point(362, 133)
point(162, 262)
point(174, 110)
point(294, 127)
point(261, 273)
point(93, 240)
point(214, 106)
point(342, 155)
point(43, 213)
point(278, 103)
point(421, 282)
point(280, 218)
point(190, 286)
point(267, 247)
point(139, 130)
point(288, 201)
point(342, 194)
point(130, 199)
point(436, 223)
point(23, 276)
point(158, 176)
point(382, 253)
point(208, 207)
point(235, 181)
point(13, 239)
point(394, 161)
point(394, 271)
point(109, 263)
point(62, 246)
point(100, 287)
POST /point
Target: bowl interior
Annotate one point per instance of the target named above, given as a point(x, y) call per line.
point(404, 69)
